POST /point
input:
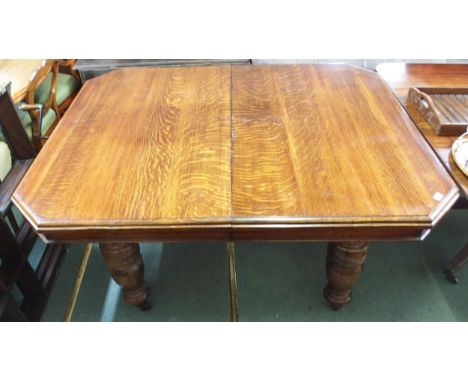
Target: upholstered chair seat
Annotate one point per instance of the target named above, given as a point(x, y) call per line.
point(66, 86)
point(5, 159)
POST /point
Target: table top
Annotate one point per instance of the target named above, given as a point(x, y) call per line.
point(401, 77)
point(281, 152)
point(19, 73)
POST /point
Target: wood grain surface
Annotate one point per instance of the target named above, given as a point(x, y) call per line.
point(318, 153)
point(139, 147)
point(328, 143)
point(19, 73)
point(401, 77)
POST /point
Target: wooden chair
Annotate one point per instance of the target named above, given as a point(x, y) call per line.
point(67, 66)
point(68, 84)
point(53, 86)
point(17, 240)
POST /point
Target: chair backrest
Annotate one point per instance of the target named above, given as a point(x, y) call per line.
point(50, 66)
point(12, 129)
point(51, 72)
point(67, 66)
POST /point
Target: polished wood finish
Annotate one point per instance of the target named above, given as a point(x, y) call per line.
point(125, 265)
point(400, 77)
point(298, 152)
point(303, 165)
point(345, 261)
point(330, 148)
point(19, 73)
point(155, 164)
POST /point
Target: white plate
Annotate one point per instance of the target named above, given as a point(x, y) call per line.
point(460, 153)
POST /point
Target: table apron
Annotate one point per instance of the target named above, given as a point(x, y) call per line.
point(241, 233)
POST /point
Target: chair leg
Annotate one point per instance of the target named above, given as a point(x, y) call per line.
point(12, 219)
point(28, 283)
point(16, 269)
point(12, 312)
point(455, 264)
point(9, 249)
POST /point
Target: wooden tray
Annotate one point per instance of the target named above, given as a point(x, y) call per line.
point(460, 153)
point(445, 109)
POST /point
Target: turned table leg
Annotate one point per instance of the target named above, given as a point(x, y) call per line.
point(344, 266)
point(124, 262)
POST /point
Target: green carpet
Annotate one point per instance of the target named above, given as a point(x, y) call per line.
point(276, 282)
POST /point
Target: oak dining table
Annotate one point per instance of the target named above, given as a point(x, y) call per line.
point(236, 153)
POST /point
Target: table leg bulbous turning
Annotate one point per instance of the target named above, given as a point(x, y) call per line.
point(124, 262)
point(344, 265)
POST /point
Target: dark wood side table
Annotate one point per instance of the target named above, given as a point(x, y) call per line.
point(401, 77)
point(236, 153)
point(96, 67)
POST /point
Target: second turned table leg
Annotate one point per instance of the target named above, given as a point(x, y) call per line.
point(345, 261)
point(124, 262)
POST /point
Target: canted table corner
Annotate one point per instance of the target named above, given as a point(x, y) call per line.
point(400, 77)
point(221, 153)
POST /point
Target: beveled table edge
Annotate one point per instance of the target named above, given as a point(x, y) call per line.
point(249, 229)
point(207, 227)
